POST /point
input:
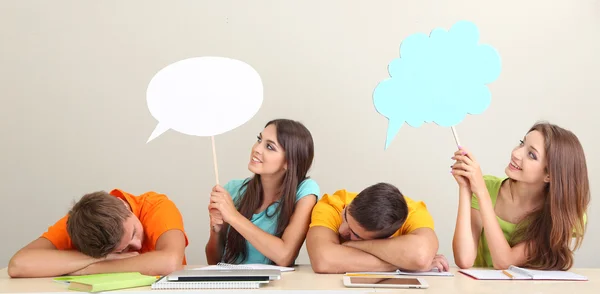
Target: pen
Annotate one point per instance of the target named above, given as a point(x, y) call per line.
point(508, 274)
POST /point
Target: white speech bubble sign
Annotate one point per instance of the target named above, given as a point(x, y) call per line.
point(204, 96)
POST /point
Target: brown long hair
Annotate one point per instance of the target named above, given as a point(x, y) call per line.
point(297, 142)
point(548, 232)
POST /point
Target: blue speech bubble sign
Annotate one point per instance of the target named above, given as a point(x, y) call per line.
point(437, 78)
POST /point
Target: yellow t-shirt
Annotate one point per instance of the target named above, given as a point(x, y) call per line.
point(327, 213)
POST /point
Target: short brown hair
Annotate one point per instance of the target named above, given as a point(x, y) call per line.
point(380, 208)
point(95, 223)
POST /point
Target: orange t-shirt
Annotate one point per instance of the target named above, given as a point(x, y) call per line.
point(156, 212)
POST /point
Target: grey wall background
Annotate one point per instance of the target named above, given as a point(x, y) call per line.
point(74, 117)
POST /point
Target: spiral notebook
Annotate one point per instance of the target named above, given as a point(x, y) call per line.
point(222, 265)
point(164, 284)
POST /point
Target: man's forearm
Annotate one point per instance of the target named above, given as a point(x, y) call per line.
point(335, 258)
point(409, 252)
point(37, 263)
point(155, 263)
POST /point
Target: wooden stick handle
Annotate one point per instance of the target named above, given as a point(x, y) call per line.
point(455, 134)
point(212, 138)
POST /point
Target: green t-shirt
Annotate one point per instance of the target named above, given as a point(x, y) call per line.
point(484, 258)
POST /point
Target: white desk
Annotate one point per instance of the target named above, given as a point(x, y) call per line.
point(305, 280)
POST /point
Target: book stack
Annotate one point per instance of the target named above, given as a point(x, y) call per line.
point(221, 276)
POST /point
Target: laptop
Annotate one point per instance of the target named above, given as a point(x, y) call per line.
point(225, 275)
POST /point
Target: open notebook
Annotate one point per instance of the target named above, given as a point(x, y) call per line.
point(433, 272)
point(518, 273)
point(221, 266)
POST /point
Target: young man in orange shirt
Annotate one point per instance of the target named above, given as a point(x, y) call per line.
point(378, 229)
point(108, 232)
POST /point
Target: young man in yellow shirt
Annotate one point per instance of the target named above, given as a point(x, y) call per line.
point(378, 229)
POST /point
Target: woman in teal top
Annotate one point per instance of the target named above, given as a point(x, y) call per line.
point(265, 218)
point(530, 217)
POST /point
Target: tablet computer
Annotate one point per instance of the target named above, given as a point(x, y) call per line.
point(385, 282)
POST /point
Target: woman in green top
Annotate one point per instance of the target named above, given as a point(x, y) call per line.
point(529, 218)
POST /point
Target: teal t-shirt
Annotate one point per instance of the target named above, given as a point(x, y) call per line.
point(266, 219)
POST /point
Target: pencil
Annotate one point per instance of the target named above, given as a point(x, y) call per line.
point(508, 274)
